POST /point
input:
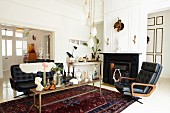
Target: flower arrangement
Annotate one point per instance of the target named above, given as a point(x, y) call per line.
point(56, 68)
point(95, 48)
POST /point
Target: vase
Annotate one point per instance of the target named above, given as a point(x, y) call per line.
point(44, 79)
point(58, 78)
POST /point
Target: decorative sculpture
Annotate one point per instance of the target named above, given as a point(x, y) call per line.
point(119, 25)
point(40, 53)
point(38, 83)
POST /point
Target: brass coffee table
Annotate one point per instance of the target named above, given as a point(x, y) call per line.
point(39, 93)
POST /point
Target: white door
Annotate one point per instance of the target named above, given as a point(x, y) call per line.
point(13, 46)
point(7, 49)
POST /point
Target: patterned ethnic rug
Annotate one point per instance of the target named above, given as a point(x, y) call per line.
point(109, 101)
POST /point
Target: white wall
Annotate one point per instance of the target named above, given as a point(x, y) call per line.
point(166, 40)
point(66, 21)
point(133, 14)
point(1, 74)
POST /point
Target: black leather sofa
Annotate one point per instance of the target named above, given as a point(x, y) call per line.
point(23, 82)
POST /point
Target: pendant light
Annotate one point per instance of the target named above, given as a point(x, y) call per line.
point(88, 21)
point(85, 7)
point(93, 29)
point(90, 42)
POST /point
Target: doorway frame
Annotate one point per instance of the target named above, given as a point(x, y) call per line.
point(152, 8)
point(24, 25)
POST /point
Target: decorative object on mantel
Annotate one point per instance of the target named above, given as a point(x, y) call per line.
point(119, 25)
point(95, 49)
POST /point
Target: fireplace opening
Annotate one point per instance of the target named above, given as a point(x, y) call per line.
point(118, 69)
point(127, 63)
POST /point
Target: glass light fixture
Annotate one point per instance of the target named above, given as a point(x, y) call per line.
point(85, 8)
point(93, 30)
point(90, 42)
point(88, 22)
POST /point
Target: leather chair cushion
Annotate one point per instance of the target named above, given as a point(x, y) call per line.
point(153, 67)
point(146, 77)
point(125, 88)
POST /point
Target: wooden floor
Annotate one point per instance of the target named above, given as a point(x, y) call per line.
point(158, 102)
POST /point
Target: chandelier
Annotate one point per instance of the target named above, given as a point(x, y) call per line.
point(89, 13)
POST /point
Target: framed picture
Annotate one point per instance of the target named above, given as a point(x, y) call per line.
point(159, 20)
point(159, 40)
point(150, 40)
point(151, 21)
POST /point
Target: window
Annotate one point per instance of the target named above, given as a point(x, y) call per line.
point(19, 34)
point(3, 48)
point(6, 32)
point(3, 32)
point(19, 48)
point(9, 47)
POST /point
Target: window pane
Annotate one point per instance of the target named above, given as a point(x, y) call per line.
point(24, 45)
point(3, 32)
point(3, 47)
point(9, 48)
point(19, 52)
point(18, 44)
point(19, 34)
point(9, 33)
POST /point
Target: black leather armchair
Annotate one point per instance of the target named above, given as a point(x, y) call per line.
point(143, 85)
point(20, 81)
point(23, 82)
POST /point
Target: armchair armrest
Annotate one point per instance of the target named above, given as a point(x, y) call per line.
point(142, 84)
point(127, 78)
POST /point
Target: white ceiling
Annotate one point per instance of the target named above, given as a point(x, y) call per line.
point(80, 2)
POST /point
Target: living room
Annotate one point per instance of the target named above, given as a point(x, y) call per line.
point(65, 20)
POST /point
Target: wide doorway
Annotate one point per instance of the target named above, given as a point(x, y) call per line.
point(20, 44)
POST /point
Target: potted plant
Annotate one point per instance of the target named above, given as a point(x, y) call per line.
point(95, 48)
point(57, 69)
point(57, 78)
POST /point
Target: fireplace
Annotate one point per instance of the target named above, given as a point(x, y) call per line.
point(126, 63)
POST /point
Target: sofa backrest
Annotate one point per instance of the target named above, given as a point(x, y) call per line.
point(19, 75)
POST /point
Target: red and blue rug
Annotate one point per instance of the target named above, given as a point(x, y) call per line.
point(110, 102)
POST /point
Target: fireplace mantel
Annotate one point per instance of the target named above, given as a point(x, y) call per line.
point(119, 58)
point(120, 53)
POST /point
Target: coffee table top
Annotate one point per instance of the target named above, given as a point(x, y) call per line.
point(62, 87)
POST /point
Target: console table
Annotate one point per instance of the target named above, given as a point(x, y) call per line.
point(40, 93)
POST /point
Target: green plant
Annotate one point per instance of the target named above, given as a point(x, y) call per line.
point(95, 48)
point(56, 68)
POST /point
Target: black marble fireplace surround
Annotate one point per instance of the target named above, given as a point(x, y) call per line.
point(127, 63)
